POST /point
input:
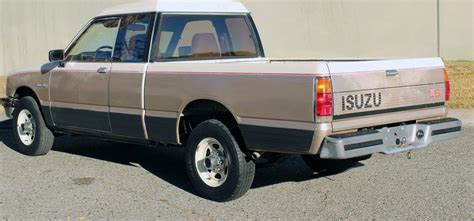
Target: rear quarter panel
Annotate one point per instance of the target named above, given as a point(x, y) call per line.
point(259, 90)
point(262, 94)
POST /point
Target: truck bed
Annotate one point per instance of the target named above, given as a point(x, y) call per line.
point(380, 92)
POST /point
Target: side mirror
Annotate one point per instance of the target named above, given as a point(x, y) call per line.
point(56, 55)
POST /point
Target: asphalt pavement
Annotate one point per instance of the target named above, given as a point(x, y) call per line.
point(86, 179)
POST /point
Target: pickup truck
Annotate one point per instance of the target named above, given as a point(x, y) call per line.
point(194, 75)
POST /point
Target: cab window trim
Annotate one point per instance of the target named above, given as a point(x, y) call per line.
point(78, 35)
point(257, 39)
point(150, 34)
point(119, 17)
point(248, 22)
point(83, 31)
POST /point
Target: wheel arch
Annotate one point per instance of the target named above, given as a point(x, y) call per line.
point(200, 110)
point(25, 91)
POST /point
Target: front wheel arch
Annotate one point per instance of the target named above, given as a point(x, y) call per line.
point(25, 91)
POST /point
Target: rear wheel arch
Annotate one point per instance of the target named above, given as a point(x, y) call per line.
point(216, 165)
point(198, 111)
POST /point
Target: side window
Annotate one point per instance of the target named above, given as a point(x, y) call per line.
point(96, 43)
point(131, 45)
point(240, 38)
point(204, 37)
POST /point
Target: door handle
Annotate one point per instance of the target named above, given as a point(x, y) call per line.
point(102, 70)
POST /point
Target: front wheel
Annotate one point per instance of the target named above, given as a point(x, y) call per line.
point(216, 166)
point(29, 128)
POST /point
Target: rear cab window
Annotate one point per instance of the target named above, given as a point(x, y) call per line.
point(201, 37)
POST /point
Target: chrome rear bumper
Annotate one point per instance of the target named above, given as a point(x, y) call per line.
point(390, 140)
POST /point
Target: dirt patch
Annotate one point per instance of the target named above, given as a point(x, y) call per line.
point(461, 75)
point(83, 181)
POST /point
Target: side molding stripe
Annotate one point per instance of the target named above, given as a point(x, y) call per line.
point(94, 120)
point(127, 125)
point(277, 139)
point(161, 129)
point(47, 116)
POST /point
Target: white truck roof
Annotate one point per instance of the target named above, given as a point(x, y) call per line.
point(179, 6)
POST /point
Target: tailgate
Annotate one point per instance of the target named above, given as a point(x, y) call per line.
point(372, 93)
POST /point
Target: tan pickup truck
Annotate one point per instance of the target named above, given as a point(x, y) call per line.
point(194, 74)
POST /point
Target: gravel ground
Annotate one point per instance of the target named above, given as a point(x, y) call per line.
point(88, 179)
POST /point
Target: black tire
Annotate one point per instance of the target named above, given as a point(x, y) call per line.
point(329, 167)
point(240, 169)
point(43, 139)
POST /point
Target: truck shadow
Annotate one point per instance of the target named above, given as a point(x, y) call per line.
point(167, 163)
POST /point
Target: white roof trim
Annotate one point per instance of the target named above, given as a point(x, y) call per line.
point(383, 65)
point(180, 6)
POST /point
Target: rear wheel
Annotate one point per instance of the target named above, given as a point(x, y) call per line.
point(29, 128)
point(216, 166)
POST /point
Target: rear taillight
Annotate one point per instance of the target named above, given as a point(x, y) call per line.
point(323, 97)
point(447, 86)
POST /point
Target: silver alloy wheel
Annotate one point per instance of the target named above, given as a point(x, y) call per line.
point(212, 162)
point(26, 127)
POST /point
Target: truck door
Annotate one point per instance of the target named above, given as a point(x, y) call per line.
point(79, 88)
point(127, 80)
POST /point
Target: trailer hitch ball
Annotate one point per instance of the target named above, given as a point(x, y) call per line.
point(404, 141)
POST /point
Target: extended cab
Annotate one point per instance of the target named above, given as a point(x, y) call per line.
point(195, 75)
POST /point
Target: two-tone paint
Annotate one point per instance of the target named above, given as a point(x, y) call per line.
point(272, 101)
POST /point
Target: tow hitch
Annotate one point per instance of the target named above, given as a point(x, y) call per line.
point(409, 155)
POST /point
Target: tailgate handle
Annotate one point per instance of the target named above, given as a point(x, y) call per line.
point(391, 73)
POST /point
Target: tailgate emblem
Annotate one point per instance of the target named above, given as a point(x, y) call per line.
point(361, 101)
point(391, 73)
point(435, 93)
